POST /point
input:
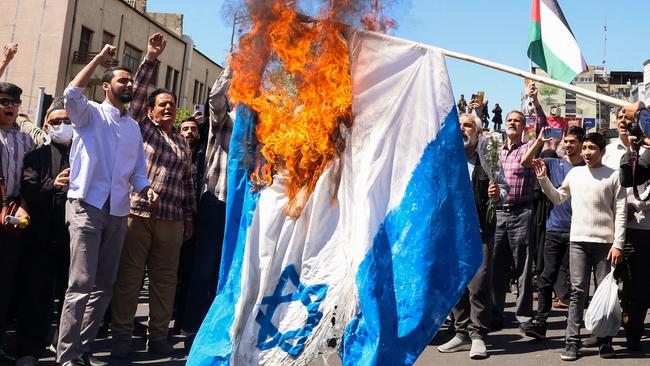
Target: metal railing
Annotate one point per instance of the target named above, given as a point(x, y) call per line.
point(85, 57)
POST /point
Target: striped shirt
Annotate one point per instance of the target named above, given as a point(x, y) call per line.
point(520, 179)
point(14, 145)
point(168, 157)
point(216, 157)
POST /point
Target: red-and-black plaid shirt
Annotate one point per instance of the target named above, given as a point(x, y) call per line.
point(168, 156)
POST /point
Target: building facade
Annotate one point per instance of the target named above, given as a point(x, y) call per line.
point(561, 103)
point(57, 38)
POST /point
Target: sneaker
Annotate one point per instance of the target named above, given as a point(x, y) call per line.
point(534, 329)
point(606, 351)
point(591, 342)
point(160, 347)
point(456, 344)
point(570, 352)
point(27, 361)
point(121, 348)
point(90, 360)
point(478, 350)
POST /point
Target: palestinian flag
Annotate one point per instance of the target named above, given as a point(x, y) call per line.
point(553, 47)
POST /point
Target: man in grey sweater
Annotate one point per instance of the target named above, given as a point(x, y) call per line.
point(597, 230)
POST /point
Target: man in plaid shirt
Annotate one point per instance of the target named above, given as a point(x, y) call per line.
point(154, 238)
point(512, 255)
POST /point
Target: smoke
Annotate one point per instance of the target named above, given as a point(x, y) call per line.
point(359, 13)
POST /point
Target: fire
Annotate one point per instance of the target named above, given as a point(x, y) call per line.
point(295, 74)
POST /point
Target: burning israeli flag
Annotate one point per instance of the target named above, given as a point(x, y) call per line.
point(384, 243)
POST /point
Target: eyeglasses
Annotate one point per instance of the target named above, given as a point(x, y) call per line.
point(5, 102)
point(58, 121)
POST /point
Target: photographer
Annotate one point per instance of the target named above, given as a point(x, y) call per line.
point(634, 271)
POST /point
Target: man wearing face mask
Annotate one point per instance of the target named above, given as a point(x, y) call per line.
point(472, 312)
point(45, 257)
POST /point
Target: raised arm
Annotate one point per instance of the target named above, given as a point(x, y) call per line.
point(541, 116)
point(8, 53)
point(219, 98)
point(531, 153)
point(155, 47)
point(83, 77)
point(556, 196)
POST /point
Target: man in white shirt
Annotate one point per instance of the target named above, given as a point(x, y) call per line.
point(106, 158)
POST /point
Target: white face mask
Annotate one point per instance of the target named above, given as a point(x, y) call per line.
point(60, 134)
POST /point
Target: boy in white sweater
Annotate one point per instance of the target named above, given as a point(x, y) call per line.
point(597, 233)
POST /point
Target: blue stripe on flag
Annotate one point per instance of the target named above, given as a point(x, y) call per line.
point(213, 345)
point(422, 258)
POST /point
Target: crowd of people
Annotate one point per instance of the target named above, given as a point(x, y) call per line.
point(106, 193)
point(562, 213)
point(100, 194)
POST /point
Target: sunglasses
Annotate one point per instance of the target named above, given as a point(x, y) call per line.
point(58, 121)
point(5, 102)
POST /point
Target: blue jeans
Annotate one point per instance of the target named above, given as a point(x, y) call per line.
point(205, 265)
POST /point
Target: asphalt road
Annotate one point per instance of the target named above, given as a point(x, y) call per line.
point(506, 348)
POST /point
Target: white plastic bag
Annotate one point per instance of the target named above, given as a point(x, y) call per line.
point(603, 316)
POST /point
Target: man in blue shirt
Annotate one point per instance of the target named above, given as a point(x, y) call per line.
point(558, 226)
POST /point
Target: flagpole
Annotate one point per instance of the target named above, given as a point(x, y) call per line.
point(542, 79)
point(511, 70)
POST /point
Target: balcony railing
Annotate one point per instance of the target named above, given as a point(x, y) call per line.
point(85, 57)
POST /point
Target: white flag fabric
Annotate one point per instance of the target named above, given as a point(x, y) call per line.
point(385, 245)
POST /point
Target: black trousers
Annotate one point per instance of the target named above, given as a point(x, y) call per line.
point(43, 278)
point(9, 254)
point(206, 262)
point(556, 253)
point(635, 297)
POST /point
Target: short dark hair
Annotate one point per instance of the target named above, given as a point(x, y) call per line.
point(576, 131)
point(151, 100)
point(190, 119)
point(58, 103)
point(110, 72)
point(12, 89)
point(596, 139)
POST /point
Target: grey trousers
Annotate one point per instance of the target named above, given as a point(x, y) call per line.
point(512, 258)
point(96, 240)
point(472, 312)
point(582, 258)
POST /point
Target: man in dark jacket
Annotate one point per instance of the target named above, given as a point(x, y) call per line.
point(45, 256)
point(472, 313)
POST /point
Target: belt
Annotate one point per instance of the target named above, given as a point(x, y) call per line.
point(517, 206)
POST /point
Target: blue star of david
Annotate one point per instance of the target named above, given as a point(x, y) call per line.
point(292, 341)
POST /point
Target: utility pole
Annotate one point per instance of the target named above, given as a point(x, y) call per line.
point(235, 22)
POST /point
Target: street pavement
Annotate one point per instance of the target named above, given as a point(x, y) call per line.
point(506, 348)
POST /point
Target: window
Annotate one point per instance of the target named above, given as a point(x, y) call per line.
point(108, 38)
point(175, 84)
point(169, 77)
point(86, 40)
point(132, 57)
point(196, 92)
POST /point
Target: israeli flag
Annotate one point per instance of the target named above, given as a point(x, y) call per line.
point(382, 250)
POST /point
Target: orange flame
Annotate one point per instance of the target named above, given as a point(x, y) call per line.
point(295, 75)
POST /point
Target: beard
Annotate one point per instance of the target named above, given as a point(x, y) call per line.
point(123, 97)
point(468, 140)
